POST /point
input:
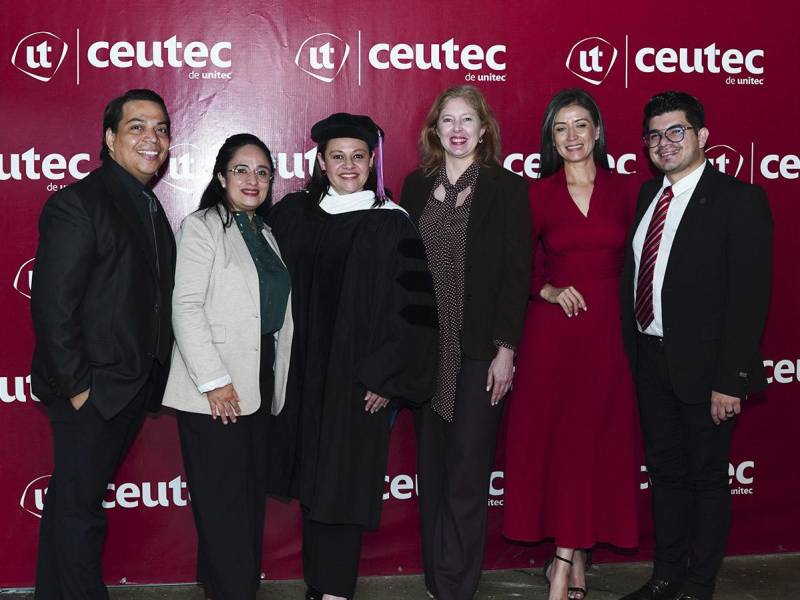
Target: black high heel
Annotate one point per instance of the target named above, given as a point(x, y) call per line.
point(583, 591)
point(549, 562)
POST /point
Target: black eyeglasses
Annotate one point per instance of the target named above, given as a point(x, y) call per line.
point(676, 133)
point(242, 173)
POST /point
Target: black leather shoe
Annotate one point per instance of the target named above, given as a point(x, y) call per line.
point(685, 596)
point(655, 589)
point(312, 594)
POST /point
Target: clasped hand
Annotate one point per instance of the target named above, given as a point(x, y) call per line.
point(568, 298)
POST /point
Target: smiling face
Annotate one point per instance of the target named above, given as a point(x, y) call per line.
point(246, 191)
point(574, 134)
point(677, 159)
point(459, 129)
point(141, 143)
point(347, 162)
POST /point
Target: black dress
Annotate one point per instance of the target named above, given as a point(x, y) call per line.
point(364, 319)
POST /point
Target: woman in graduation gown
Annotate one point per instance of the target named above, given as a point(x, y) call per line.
point(365, 325)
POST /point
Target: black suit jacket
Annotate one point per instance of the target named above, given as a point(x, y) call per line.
point(101, 310)
point(498, 258)
point(715, 294)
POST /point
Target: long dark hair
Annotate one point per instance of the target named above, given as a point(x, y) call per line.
point(551, 160)
point(318, 184)
point(214, 194)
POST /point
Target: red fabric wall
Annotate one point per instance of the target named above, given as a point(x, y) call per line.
point(274, 68)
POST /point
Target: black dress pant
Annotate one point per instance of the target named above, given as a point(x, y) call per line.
point(331, 554)
point(226, 476)
point(687, 459)
point(454, 463)
point(88, 449)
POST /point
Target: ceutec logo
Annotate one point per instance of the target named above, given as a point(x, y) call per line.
point(324, 55)
point(592, 58)
point(24, 278)
point(405, 487)
point(125, 495)
point(33, 165)
point(40, 54)
point(740, 478)
point(783, 371)
point(16, 389)
point(529, 164)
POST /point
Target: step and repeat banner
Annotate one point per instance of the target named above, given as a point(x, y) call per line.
point(274, 68)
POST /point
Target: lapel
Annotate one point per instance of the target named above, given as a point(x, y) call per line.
point(134, 225)
point(481, 201)
point(697, 205)
point(241, 254)
point(273, 243)
point(645, 198)
point(417, 199)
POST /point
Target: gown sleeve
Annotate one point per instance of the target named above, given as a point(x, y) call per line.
point(403, 358)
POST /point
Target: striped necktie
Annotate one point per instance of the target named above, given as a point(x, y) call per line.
point(647, 262)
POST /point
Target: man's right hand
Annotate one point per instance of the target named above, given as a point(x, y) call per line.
point(78, 400)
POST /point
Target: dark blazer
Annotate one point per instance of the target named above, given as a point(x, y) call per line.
point(498, 259)
point(101, 310)
point(716, 288)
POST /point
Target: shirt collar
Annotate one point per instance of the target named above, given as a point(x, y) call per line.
point(686, 184)
point(133, 186)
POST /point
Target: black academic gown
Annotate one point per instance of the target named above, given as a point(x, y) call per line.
point(365, 319)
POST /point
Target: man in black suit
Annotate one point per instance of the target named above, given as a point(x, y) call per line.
point(101, 305)
point(695, 297)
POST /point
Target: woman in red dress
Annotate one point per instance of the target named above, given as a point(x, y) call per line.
point(571, 471)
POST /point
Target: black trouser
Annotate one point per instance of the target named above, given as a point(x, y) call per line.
point(88, 449)
point(226, 475)
point(454, 463)
point(687, 459)
point(331, 553)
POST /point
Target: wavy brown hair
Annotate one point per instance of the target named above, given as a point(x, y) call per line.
point(431, 150)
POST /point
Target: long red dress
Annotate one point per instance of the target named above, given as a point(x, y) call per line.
point(571, 461)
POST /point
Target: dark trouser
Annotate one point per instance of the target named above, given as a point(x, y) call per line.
point(454, 463)
point(331, 554)
point(226, 475)
point(88, 449)
point(687, 460)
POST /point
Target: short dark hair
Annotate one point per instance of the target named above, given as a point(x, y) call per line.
point(551, 160)
point(112, 115)
point(672, 101)
point(214, 194)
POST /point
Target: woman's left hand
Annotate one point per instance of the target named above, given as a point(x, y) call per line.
point(501, 372)
point(374, 402)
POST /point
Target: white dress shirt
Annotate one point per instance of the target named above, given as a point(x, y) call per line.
point(682, 191)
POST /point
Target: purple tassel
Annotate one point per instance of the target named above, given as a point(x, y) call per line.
point(381, 190)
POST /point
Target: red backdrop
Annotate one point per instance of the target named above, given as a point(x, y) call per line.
point(274, 68)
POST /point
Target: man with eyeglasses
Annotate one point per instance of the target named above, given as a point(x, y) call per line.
point(101, 304)
point(696, 291)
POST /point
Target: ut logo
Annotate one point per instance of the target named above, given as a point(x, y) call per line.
point(39, 55)
point(591, 59)
point(322, 56)
point(24, 278)
point(726, 159)
point(184, 167)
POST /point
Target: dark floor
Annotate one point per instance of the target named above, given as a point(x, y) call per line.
point(769, 577)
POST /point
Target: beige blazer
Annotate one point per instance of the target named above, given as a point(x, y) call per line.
point(216, 315)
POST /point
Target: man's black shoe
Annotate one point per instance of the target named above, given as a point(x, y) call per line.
point(685, 596)
point(655, 589)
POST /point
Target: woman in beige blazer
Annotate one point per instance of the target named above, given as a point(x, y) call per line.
point(231, 312)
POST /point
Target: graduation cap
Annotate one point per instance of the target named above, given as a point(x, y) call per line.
point(360, 127)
